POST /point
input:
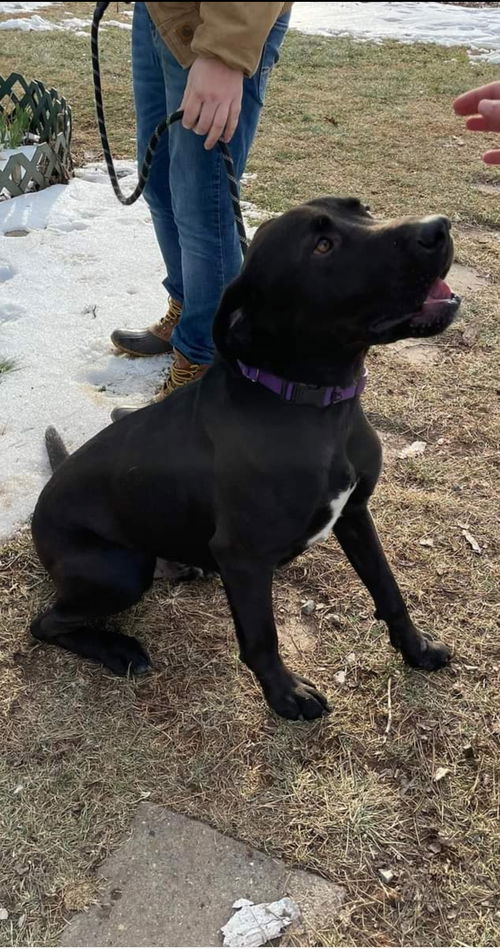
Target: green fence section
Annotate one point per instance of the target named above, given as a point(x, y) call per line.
point(49, 119)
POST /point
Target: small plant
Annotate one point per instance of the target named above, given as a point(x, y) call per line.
point(13, 127)
point(6, 365)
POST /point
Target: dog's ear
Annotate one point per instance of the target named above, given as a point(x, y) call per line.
point(263, 226)
point(230, 327)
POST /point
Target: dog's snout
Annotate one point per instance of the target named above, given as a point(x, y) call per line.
point(433, 232)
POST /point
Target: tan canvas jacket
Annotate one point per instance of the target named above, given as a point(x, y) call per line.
point(232, 32)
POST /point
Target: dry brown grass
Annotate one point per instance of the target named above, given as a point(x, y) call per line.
point(343, 796)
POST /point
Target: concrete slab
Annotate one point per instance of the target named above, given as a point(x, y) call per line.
point(174, 881)
point(417, 352)
point(465, 280)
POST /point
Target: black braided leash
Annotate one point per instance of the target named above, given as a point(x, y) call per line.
point(162, 127)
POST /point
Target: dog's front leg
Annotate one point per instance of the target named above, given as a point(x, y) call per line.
point(358, 538)
point(248, 585)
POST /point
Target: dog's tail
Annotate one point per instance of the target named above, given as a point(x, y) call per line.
point(56, 449)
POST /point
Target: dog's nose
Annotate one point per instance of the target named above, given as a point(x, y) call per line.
point(433, 232)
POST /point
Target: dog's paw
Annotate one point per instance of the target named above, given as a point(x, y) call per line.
point(179, 573)
point(124, 655)
point(430, 654)
point(297, 698)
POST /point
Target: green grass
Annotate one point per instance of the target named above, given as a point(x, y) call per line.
point(6, 365)
point(13, 127)
point(343, 796)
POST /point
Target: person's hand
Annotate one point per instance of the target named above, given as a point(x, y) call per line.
point(483, 107)
point(212, 100)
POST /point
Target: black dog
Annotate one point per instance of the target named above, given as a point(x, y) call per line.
point(246, 468)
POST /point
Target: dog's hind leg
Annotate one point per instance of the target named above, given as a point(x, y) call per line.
point(92, 586)
point(358, 538)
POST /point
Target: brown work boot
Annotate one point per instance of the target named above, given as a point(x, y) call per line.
point(153, 341)
point(180, 373)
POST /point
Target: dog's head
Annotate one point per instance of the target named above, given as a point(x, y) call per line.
point(327, 279)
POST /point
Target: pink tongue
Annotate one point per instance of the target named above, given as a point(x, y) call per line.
point(439, 291)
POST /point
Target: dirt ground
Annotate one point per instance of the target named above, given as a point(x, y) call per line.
point(403, 775)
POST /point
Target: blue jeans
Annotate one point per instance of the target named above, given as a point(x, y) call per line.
point(187, 191)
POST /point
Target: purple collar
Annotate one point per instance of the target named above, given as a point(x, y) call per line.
point(299, 392)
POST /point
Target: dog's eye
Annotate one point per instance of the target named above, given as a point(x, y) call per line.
point(323, 245)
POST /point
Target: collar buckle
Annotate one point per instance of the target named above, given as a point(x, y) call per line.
point(303, 394)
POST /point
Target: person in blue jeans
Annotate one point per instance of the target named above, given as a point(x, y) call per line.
point(212, 60)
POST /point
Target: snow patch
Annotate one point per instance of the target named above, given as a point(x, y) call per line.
point(29, 24)
point(7, 271)
point(75, 23)
point(17, 7)
point(121, 26)
point(5, 153)
point(477, 28)
point(96, 171)
point(10, 311)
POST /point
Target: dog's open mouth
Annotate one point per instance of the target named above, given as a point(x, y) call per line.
point(438, 309)
point(435, 315)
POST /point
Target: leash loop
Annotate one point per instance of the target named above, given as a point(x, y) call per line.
point(160, 129)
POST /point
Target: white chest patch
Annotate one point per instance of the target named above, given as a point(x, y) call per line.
point(336, 508)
